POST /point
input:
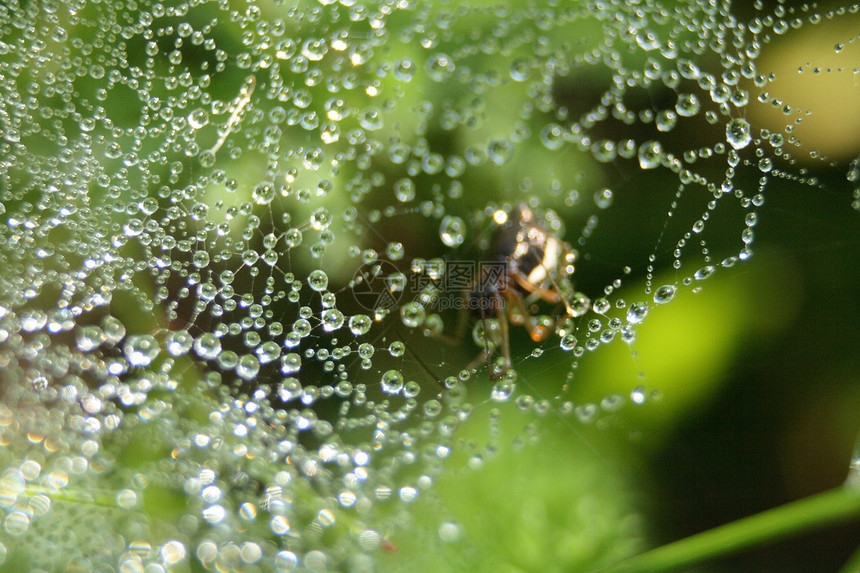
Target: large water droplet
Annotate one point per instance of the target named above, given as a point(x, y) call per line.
point(439, 67)
point(412, 314)
point(637, 312)
point(392, 382)
point(141, 350)
point(360, 324)
point(318, 280)
point(738, 133)
point(650, 154)
point(664, 294)
point(452, 231)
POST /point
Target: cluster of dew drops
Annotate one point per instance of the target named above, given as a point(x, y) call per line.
point(188, 189)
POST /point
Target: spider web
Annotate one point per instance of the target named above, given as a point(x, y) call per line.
point(227, 227)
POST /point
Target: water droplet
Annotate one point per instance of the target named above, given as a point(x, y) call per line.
point(664, 294)
point(392, 382)
point(552, 136)
point(318, 280)
point(452, 231)
point(179, 342)
point(650, 154)
point(439, 67)
point(568, 342)
point(687, 105)
point(141, 350)
point(412, 314)
point(332, 319)
point(173, 552)
point(126, 498)
point(247, 367)
point(604, 151)
point(321, 219)
point(601, 306)
point(313, 159)
point(520, 70)
point(704, 272)
point(293, 238)
point(738, 133)
point(291, 363)
point(207, 346)
point(263, 193)
point(396, 348)
point(500, 151)
point(603, 198)
point(360, 324)
point(314, 49)
point(404, 70)
point(449, 532)
point(198, 118)
point(16, 523)
point(395, 251)
point(666, 120)
point(637, 312)
point(404, 190)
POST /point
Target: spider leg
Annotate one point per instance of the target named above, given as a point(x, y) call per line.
point(537, 332)
point(506, 342)
point(567, 306)
point(479, 359)
point(552, 295)
point(487, 352)
point(459, 330)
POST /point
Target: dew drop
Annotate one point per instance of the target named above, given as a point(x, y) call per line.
point(412, 314)
point(392, 382)
point(314, 49)
point(179, 342)
point(321, 219)
point(604, 198)
point(503, 390)
point(318, 280)
point(568, 342)
point(360, 324)
point(439, 67)
point(452, 231)
point(666, 120)
point(738, 133)
point(604, 151)
point(141, 350)
point(650, 154)
point(404, 190)
point(687, 105)
point(207, 346)
point(664, 294)
point(552, 136)
point(332, 319)
point(601, 305)
point(637, 312)
point(500, 151)
point(449, 532)
point(704, 272)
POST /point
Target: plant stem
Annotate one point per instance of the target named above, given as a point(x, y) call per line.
point(853, 563)
point(827, 508)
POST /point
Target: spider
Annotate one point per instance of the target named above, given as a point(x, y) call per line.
point(523, 259)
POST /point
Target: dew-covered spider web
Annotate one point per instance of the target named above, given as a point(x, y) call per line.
point(229, 327)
